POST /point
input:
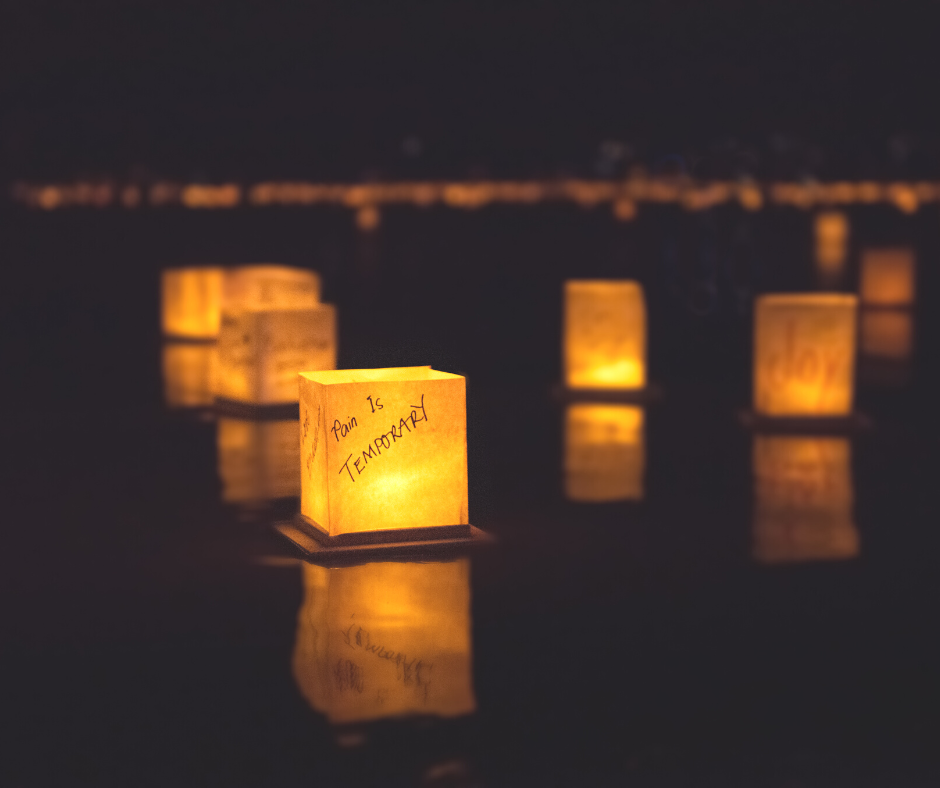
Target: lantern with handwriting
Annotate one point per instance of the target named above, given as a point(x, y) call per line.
point(385, 639)
point(804, 355)
point(191, 302)
point(262, 287)
point(261, 352)
point(384, 450)
point(887, 278)
point(258, 460)
point(604, 453)
point(604, 334)
point(189, 373)
point(803, 499)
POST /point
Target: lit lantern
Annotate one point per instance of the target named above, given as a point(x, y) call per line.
point(263, 287)
point(384, 450)
point(804, 355)
point(385, 640)
point(887, 277)
point(191, 302)
point(887, 334)
point(258, 460)
point(832, 232)
point(605, 456)
point(803, 499)
point(605, 335)
point(261, 352)
point(189, 373)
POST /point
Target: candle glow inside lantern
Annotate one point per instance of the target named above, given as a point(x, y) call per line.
point(189, 373)
point(604, 334)
point(803, 499)
point(191, 302)
point(605, 455)
point(887, 278)
point(385, 639)
point(268, 287)
point(384, 450)
point(258, 460)
point(804, 355)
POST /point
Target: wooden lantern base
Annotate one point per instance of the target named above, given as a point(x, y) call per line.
point(641, 396)
point(786, 425)
point(278, 411)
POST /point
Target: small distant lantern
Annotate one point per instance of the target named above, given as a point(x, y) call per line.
point(383, 451)
point(261, 352)
point(191, 302)
point(269, 287)
point(189, 374)
point(887, 278)
point(258, 460)
point(605, 455)
point(604, 335)
point(832, 233)
point(887, 334)
point(804, 355)
point(803, 499)
point(386, 639)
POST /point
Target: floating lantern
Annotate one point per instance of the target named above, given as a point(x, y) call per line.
point(803, 499)
point(605, 334)
point(605, 456)
point(189, 373)
point(887, 334)
point(804, 355)
point(887, 277)
point(385, 639)
point(257, 287)
point(832, 233)
point(261, 352)
point(258, 460)
point(384, 450)
point(191, 302)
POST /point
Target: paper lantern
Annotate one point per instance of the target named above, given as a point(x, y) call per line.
point(268, 287)
point(384, 450)
point(261, 352)
point(386, 639)
point(191, 302)
point(605, 335)
point(887, 334)
point(804, 355)
point(887, 277)
point(803, 499)
point(832, 232)
point(605, 457)
point(258, 460)
point(189, 373)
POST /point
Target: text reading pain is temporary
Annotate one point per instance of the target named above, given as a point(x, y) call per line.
point(386, 440)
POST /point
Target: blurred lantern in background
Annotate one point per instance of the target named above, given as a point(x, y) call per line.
point(804, 355)
point(605, 456)
point(258, 287)
point(191, 302)
point(887, 334)
point(189, 373)
point(887, 278)
point(385, 639)
point(887, 290)
point(832, 235)
point(258, 460)
point(604, 335)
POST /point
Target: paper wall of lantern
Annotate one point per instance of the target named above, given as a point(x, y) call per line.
point(270, 287)
point(189, 373)
point(605, 455)
point(387, 639)
point(831, 247)
point(191, 301)
point(887, 278)
point(258, 460)
point(804, 499)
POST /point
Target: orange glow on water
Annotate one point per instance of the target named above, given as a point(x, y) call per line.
point(605, 456)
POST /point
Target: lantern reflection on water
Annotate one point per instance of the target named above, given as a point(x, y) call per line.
point(191, 302)
point(258, 460)
point(887, 334)
point(189, 373)
point(385, 639)
point(605, 456)
point(887, 278)
point(261, 287)
point(604, 334)
point(803, 499)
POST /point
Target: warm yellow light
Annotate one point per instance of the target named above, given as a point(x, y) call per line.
point(887, 333)
point(189, 373)
point(804, 355)
point(368, 218)
point(258, 460)
point(383, 449)
point(605, 334)
point(605, 456)
point(191, 302)
point(832, 232)
point(271, 287)
point(386, 640)
point(625, 210)
point(887, 277)
point(803, 499)
point(261, 352)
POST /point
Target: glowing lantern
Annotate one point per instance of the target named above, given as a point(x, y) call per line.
point(804, 499)
point(887, 277)
point(258, 460)
point(605, 335)
point(386, 639)
point(257, 287)
point(192, 300)
point(261, 352)
point(604, 453)
point(189, 373)
point(804, 355)
point(384, 450)
point(887, 333)
point(832, 232)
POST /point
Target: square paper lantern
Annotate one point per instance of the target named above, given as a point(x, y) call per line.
point(604, 334)
point(261, 352)
point(271, 287)
point(258, 460)
point(189, 373)
point(803, 499)
point(604, 453)
point(804, 355)
point(887, 334)
point(832, 232)
point(386, 640)
point(887, 277)
point(384, 449)
point(191, 302)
